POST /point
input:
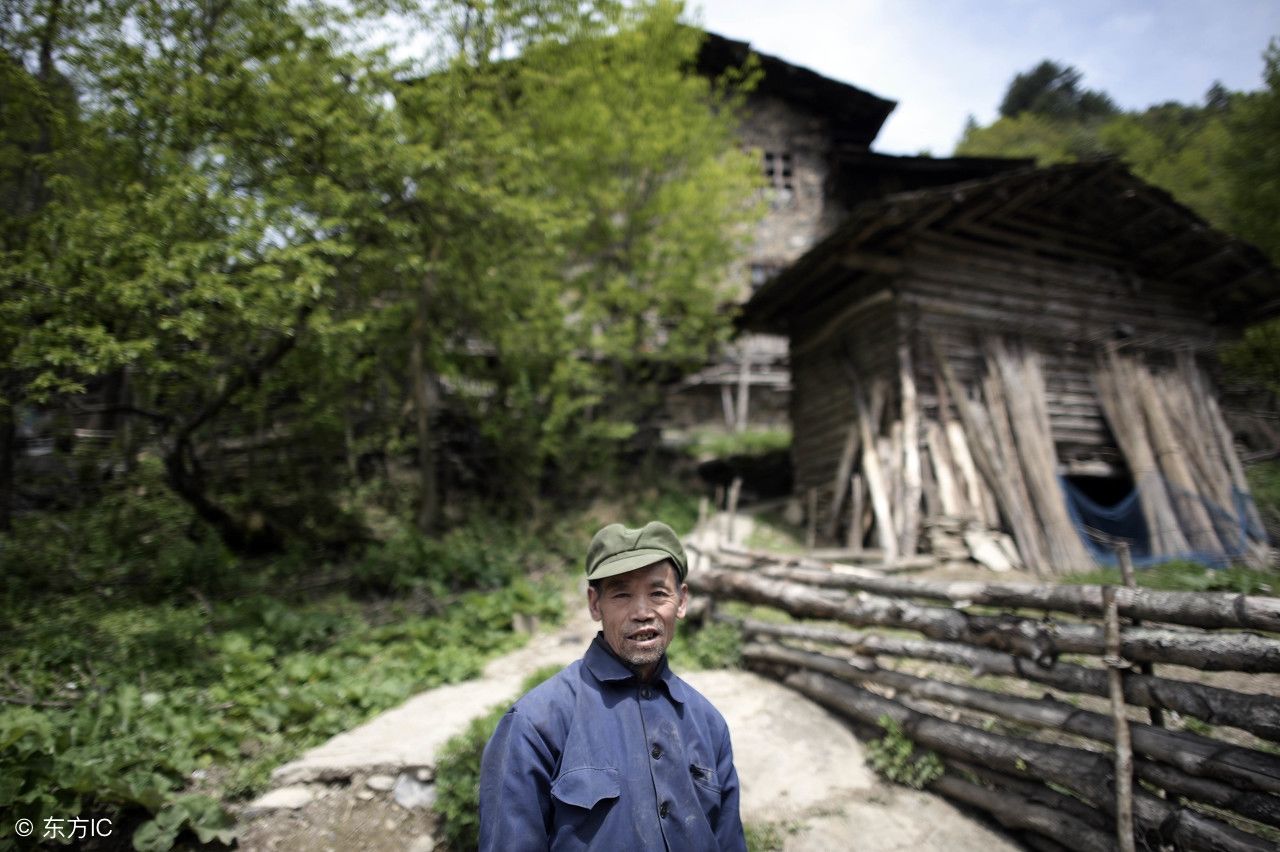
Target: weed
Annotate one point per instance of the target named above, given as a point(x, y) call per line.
point(896, 757)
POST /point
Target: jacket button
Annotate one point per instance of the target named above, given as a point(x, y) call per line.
point(646, 692)
point(656, 751)
point(663, 808)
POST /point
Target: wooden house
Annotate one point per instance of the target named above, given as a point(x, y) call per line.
point(1019, 368)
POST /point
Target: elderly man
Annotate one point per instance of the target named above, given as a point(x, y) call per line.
point(615, 752)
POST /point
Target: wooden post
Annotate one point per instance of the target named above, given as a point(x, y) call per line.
point(811, 533)
point(744, 392)
point(726, 402)
point(912, 483)
point(842, 477)
point(874, 472)
point(1126, 573)
point(853, 538)
point(1124, 749)
point(719, 505)
point(735, 488)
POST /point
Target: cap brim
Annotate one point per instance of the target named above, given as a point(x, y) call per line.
point(630, 561)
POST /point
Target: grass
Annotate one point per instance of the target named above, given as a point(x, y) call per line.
point(717, 443)
point(772, 532)
point(1188, 577)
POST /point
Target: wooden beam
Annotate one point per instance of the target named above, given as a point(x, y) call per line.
point(834, 323)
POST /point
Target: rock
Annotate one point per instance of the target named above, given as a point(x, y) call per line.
point(424, 773)
point(381, 783)
point(411, 793)
point(365, 795)
point(284, 798)
point(423, 843)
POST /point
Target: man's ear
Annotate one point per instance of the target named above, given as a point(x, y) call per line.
point(683, 603)
point(593, 603)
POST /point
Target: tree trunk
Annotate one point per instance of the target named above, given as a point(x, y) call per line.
point(8, 449)
point(428, 518)
point(1086, 773)
point(1211, 610)
point(1188, 752)
point(248, 537)
point(1258, 714)
point(1042, 642)
point(1017, 812)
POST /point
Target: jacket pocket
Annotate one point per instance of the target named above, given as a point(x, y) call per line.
point(586, 787)
point(704, 777)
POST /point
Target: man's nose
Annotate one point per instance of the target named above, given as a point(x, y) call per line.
point(642, 610)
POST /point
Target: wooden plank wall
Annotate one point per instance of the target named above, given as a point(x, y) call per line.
point(822, 402)
point(958, 291)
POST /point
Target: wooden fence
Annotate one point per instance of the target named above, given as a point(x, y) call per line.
point(1059, 774)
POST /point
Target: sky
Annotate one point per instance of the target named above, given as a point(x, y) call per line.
point(943, 60)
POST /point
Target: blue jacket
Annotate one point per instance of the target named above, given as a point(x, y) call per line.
point(594, 759)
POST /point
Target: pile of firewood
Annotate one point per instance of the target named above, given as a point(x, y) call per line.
point(1181, 454)
point(1061, 775)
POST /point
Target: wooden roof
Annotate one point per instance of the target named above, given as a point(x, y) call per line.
point(855, 115)
point(1093, 213)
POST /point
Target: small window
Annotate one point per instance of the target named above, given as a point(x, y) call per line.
point(777, 170)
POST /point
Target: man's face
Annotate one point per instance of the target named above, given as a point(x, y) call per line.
point(638, 611)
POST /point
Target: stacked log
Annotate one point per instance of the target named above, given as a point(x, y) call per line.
point(982, 452)
point(1038, 764)
point(1181, 455)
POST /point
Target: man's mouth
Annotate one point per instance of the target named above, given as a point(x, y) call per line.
point(646, 635)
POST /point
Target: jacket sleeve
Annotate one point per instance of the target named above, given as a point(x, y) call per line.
point(515, 788)
point(728, 828)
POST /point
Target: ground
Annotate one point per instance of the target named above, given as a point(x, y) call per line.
point(804, 782)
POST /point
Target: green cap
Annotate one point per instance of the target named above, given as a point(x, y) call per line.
point(617, 550)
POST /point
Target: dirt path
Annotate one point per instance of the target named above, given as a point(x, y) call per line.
point(802, 772)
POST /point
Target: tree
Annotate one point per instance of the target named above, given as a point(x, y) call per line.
point(258, 220)
point(1251, 164)
point(1053, 91)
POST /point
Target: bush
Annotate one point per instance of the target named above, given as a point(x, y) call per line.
point(139, 539)
point(482, 554)
point(458, 770)
point(712, 646)
point(896, 758)
point(146, 695)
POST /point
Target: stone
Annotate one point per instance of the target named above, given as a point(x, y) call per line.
point(422, 843)
point(424, 774)
point(410, 793)
point(365, 795)
point(381, 783)
point(284, 798)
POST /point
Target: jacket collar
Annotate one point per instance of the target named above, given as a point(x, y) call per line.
point(608, 668)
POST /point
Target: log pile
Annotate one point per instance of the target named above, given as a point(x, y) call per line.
point(954, 469)
point(1038, 761)
point(1182, 457)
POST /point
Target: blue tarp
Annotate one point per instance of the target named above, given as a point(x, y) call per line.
point(1124, 521)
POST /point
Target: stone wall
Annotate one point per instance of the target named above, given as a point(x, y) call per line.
point(795, 154)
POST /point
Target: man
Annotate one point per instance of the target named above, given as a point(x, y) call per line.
point(615, 752)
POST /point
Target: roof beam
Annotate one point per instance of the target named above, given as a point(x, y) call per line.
point(1204, 262)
